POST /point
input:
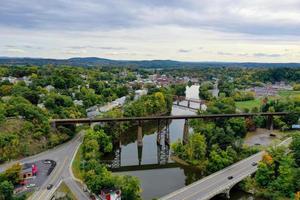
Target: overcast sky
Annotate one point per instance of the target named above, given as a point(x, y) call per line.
point(191, 30)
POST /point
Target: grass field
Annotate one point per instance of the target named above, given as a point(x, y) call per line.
point(288, 93)
point(248, 104)
point(76, 164)
point(241, 105)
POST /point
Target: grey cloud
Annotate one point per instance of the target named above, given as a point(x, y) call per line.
point(267, 55)
point(184, 50)
point(25, 46)
point(96, 47)
point(252, 17)
point(224, 53)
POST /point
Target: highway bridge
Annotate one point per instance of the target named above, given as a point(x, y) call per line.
point(218, 183)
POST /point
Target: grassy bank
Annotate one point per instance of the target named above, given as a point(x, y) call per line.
point(248, 104)
point(76, 164)
point(64, 192)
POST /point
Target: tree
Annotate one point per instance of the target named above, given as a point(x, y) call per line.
point(295, 147)
point(179, 89)
point(265, 174)
point(13, 173)
point(130, 187)
point(6, 190)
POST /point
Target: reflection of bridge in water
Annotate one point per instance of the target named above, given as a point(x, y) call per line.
point(163, 152)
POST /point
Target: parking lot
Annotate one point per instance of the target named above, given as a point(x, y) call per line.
point(45, 167)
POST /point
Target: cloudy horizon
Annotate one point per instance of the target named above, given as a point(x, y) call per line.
point(186, 30)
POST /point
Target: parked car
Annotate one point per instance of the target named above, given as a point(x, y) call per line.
point(254, 163)
point(49, 186)
point(47, 162)
point(230, 177)
point(30, 185)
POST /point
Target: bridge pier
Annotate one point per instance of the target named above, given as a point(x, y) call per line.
point(227, 193)
point(158, 135)
point(270, 124)
point(167, 133)
point(140, 154)
point(185, 132)
point(140, 134)
point(53, 126)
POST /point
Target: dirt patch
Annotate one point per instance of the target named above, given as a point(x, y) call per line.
point(262, 137)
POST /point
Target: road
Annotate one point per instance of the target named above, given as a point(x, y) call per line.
point(218, 182)
point(63, 155)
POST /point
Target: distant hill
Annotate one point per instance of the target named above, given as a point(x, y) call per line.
point(95, 61)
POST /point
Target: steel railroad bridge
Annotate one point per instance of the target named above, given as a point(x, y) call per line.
point(166, 119)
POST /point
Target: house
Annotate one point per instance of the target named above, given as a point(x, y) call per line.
point(120, 101)
point(28, 171)
point(92, 111)
point(78, 102)
point(49, 88)
point(110, 194)
point(139, 93)
point(108, 107)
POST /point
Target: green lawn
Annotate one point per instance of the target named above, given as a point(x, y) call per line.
point(76, 164)
point(248, 104)
point(288, 93)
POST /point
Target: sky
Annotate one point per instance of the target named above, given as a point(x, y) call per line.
point(187, 30)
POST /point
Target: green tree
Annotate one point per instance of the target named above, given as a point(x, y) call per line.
point(295, 147)
point(6, 190)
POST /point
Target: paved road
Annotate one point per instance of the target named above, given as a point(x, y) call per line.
point(63, 156)
point(216, 183)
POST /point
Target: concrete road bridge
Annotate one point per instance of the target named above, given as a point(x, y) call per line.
point(218, 183)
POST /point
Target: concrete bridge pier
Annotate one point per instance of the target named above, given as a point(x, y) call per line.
point(167, 133)
point(140, 134)
point(270, 124)
point(227, 193)
point(185, 132)
point(158, 135)
point(140, 154)
point(53, 126)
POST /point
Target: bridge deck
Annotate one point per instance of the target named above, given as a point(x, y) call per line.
point(149, 118)
point(216, 183)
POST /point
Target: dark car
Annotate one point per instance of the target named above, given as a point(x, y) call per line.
point(254, 163)
point(49, 186)
point(230, 177)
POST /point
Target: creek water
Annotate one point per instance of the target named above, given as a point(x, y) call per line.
point(150, 163)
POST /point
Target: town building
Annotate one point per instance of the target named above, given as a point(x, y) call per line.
point(110, 194)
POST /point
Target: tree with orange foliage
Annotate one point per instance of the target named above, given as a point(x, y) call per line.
point(267, 158)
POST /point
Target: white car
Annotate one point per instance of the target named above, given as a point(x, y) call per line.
point(30, 185)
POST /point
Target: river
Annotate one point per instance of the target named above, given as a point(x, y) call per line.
point(158, 182)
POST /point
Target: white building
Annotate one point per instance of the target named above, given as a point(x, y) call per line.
point(139, 93)
point(78, 102)
point(49, 88)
